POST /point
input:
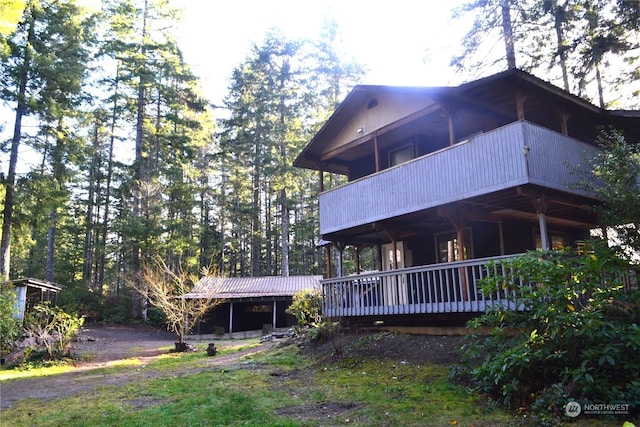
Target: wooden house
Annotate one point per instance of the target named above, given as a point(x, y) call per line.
point(442, 180)
point(250, 303)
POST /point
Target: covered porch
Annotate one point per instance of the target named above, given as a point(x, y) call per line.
point(445, 288)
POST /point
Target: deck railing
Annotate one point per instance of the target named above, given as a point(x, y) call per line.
point(439, 288)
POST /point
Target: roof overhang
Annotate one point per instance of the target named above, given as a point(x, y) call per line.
point(36, 283)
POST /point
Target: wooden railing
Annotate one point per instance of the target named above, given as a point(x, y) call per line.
point(438, 288)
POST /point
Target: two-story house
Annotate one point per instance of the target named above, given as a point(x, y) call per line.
point(443, 179)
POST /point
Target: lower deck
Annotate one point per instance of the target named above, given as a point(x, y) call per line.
point(446, 293)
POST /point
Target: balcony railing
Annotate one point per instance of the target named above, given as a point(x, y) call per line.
point(515, 154)
point(438, 288)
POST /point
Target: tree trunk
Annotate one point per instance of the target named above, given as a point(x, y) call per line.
point(51, 244)
point(599, 83)
point(559, 19)
point(5, 244)
point(7, 222)
point(256, 229)
point(507, 31)
point(284, 230)
point(89, 219)
point(137, 308)
point(107, 196)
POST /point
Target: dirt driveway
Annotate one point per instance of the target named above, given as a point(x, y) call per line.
point(102, 346)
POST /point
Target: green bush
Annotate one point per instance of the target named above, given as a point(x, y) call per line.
point(54, 328)
point(117, 309)
point(9, 325)
point(577, 338)
point(306, 307)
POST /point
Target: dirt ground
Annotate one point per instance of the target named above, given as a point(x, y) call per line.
point(100, 346)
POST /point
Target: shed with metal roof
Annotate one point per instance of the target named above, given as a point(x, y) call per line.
point(250, 303)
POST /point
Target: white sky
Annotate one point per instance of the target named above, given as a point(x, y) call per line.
point(401, 42)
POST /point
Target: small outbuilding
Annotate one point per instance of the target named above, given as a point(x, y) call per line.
point(30, 292)
point(250, 303)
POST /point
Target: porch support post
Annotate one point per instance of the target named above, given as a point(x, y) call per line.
point(328, 261)
point(393, 236)
point(275, 306)
point(544, 236)
point(541, 203)
point(501, 236)
point(358, 249)
point(230, 318)
point(321, 179)
point(340, 246)
point(459, 220)
point(462, 270)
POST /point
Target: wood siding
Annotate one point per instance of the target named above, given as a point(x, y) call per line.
point(516, 154)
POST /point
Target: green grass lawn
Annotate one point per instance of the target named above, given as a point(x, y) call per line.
point(280, 387)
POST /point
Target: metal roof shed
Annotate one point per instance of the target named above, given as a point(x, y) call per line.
point(250, 302)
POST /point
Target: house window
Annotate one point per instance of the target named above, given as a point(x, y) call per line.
point(448, 248)
point(401, 155)
point(556, 240)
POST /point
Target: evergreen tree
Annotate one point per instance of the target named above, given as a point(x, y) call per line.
point(41, 75)
point(590, 47)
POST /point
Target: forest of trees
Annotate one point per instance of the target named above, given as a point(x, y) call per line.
point(134, 163)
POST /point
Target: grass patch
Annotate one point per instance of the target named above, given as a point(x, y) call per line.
point(280, 387)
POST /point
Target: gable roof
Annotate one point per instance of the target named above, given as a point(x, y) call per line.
point(494, 93)
point(252, 287)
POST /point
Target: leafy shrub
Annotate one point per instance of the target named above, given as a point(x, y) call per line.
point(306, 307)
point(9, 325)
point(578, 337)
point(54, 328)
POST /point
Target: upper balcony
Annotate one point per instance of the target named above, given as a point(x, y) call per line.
point(513, 156)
